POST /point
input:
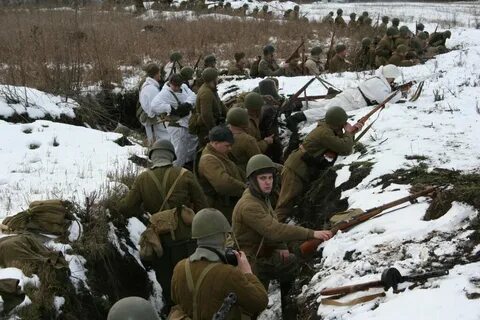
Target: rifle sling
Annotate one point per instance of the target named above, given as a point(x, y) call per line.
point(161, 187)
point(194, 287)
point(368, 101)
point(334, 302)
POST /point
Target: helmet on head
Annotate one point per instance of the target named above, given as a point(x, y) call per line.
point(208, 222)
point(365, 14)
point(258, 162)
point(253, 101)
point(132, 308)
point(237, 117)
point(340, 48)
point(353, 15)
point(339, 11)
point(175, 56)
point(336, 116)
point(209, 74)
point(210, 59)
point(161, 145)
point(390, 71)
point(402, 48)
point(366, 42)
point(368, 20)
point(447, 34)
point(316, 51)
point(296, 8)
point(265, 7)
point(330, 13)
point(268, 49)
point(385, 19)
point(392, 32)
point(404, 30)
point(151, 69)
point(395, 21)
point(187, 73)
point(422, 35)
point(420, 26)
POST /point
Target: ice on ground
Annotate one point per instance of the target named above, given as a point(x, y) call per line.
point(44, 160)
point(33, 103)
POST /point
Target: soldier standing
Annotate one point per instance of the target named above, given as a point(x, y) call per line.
point(155, 128)
point(201, 282)
point(187, 76)
point(268, 67)
point(313, 65)
point(245, 145)
point(317, 153)
point(173, 66)
point(209, 109)
point(339, 21)
point(221, 179)
point(150, 191)
point(365, 56)
point(338, 63)
point(382, 28)
point(262, 237)
point(395, 23)
point(328, 18)
point(352, 24)
point(253, 103)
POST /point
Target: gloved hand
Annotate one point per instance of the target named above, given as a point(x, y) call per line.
point(182, 110)
point(294, 120)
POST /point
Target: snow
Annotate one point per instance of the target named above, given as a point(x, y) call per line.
point(78, 166)
point(33, 103)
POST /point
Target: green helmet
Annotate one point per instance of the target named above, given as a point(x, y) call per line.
point(360, 19)
point(353, 15)
point(132, 308)
point(161, 145)
point(447, 34)
point(340, 48)
point(237, 117)
point(151, 69)
point(296, 8)
point(316, 51)
point(268, 49)
point(255, 9)
point(395, 21)
point(208, 222)
point(187, 73)
point(265, 7)
point(404, 30)
point(339, 12)
point(385, 19)
point(392, 32)
point(402, 48)
point(175, 56)
point(210, 59)
point(420, 26)
point(422, 35)
point(253, 101)
point(366, 42)
point(209, 74)
point(258, 162)
point(336, 117)
point(365, 14)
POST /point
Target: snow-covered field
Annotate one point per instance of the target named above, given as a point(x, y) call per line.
point(45, 159)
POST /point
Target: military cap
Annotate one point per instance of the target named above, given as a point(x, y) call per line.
point(340, 48)
point(210, 59)
point(316, 51)
point(221, 134)
point(209, 74)
point(268, 49)
point(422, 35)
point(245, 6)
point(175, 56)
point(330, 13)
point(447, 34)
point(253, 101)
point(151, 69)
point(265, 7)
point(239, 56)
point(404, 30)
point(237, 117)
point(187, 73)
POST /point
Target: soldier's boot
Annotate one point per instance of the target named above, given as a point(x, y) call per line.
point(289, 306)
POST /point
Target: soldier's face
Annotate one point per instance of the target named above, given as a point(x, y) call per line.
point(265, 182)
point(222, 147)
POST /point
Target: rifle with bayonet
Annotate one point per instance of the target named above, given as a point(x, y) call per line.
point(309, 247)
point(227, 305)
point(195, 67)
point(390, 278)
point(330, 50)
point(295, 52)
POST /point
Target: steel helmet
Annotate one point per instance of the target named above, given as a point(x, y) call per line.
point(132, 308)
point(258, 162)
point(208, 222)
point(161, 145)
point(237, 117)
point(336, 116)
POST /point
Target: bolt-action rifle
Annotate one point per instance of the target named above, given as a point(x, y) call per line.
point(309, 247)
point(295, 52)
point(330, 50)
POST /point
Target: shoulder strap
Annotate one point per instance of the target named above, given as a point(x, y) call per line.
point(172, 188)
point(157, 182)
point(194, 288)
point(162, 188)
point(175, 96)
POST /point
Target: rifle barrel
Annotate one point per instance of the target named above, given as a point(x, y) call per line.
point(352, 288)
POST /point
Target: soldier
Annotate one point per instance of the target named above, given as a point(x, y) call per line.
point(187, 76)
point(305, 164)
point(150, 190)
point(238, 68)
point(370, 92)
point(420, 43)
point(253, 103)
point(339, 22)
point(228, 8)
point(313, 65)
point(220, 177)
point(403, 37)
point(395, 23)
point(208, 62)
point(352, 24)
point(295, 14)
point(338, 63)
point(365, 14)
point(382, 28)
point(264, 13)
point(268, 67)
point(439, 39)
point(255, 12)
point(385, 47)
point(245, 145)
point(360, 21)
point(201, 282)
point(367, 25)
point(209, 109)
point(263, 237)
point(269, 118)
point(176, 100)
point(328, 18)
point(365, 57)
point(132, 308)
point(173, 66)
point(419, 27)
point(154, 127)
point(293, 69)
point(398, 58)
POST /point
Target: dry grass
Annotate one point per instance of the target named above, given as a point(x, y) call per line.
point(62, 51)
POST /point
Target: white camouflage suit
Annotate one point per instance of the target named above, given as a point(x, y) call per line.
point(185, 144)
point(376, 89)
point(155, 130)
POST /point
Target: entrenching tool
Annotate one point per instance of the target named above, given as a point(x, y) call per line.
point(390, 278)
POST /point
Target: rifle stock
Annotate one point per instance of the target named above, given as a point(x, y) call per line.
point(351, 289)
point(309, 246)
point(295, 96)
